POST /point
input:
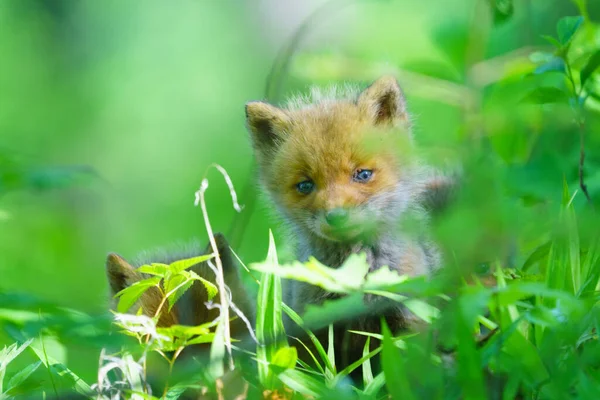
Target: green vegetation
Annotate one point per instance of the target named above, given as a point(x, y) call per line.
point(111, 111)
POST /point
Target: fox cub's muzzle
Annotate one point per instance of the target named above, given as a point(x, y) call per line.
point(337, 217)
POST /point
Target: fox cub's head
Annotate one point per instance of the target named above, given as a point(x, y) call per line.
point(190, 309)
point(337, 166)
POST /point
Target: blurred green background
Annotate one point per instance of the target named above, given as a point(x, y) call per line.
point(112, 111)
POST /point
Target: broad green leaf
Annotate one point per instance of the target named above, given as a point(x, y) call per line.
point(418, 307)
point(540, 253)
point(383, 277)
point(285, 358)
point(349, 277)
point(21, 376)
point(546, 95)
point(131, 294)
point(553, 41)
point(176, 286)
point(208, 338)
point(211, 288)
point(303, 383)
point(346, 307)
point(156, 269)
point(396, 377)
point(182, 265)
point(591, 66)
point(566, 28)
point(60, 369)
point(375, 386)
point(519, 347)
point(185, 331)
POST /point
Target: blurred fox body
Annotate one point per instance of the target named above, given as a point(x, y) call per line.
point(191, 308)
point(341, 169)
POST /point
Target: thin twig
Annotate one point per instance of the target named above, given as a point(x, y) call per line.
point(220, 277)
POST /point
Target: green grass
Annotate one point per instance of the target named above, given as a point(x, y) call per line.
point(519, 124)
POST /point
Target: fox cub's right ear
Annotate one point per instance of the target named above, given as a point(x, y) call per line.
point(119, 272)
point(266, 124)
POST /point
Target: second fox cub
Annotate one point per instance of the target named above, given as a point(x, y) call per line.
point(341, 169)
point(190, 309)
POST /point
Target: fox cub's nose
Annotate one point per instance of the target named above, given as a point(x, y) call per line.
point(336, 217)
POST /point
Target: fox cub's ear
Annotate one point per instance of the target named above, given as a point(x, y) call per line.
point(266, 123)
point(119, 272)
point(384, 102)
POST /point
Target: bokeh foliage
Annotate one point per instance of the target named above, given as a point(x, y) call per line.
point(111, 112)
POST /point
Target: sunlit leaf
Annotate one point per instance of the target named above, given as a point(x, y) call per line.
point(211, 288)
point(566, 28)
point(131, 294)
point(181, 265)
point(156, 269)
point(285, 358)
point(269, 323)
point(175, 287)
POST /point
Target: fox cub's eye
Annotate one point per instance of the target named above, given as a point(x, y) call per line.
point(305, 187)
point(362, 175)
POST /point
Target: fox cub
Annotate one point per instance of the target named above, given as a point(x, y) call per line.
point(341, 169)
point(190, 309)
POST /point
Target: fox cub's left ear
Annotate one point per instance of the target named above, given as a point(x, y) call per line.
point(120, 273)
point(267, 124)
point(384, 102)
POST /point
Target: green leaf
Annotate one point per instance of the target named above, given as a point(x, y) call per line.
point(552, 41)
point(269, 323)
point(156, 269)
point(131, 294)
point(60, 369)
point(367, 372)
point(538, 254)
point(555, 64)
point(375, 386)
point(470, 374)
point(208, 338)
point(178, 285)
point(347, 278)
point(211, 288)
point(184, 331)
point(285, 358)
point(566, 28)
point(393, 365)
point(316, 343)
point(217, 352)
point(8, 354)
point(546, 95)
point(303, 383)
point(591, 66)
point(21, 376)
point(181, 265)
